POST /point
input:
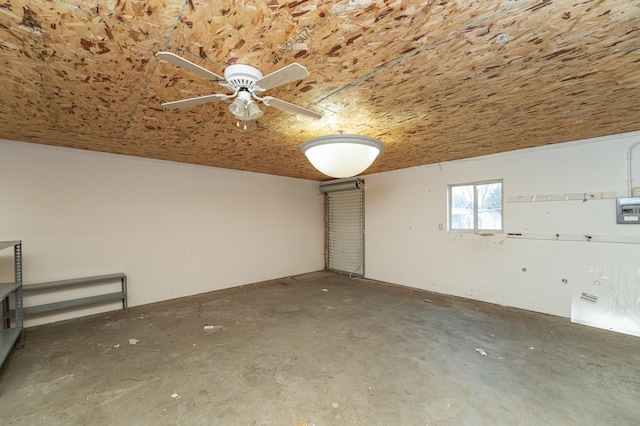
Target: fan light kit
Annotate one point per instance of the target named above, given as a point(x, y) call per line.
point(342, 155)
point(246, 83)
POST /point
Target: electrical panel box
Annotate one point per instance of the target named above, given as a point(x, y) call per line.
point(628, 210)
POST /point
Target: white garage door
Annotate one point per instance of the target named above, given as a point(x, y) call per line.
point(345, 231)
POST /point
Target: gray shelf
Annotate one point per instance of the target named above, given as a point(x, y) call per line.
point(71, 282)
point(7, 288)
point(75, 303)
point(12, 332)
point(7, 244)
point(78, 302)
point(8, 338)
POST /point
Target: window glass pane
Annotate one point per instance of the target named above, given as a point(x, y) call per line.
point(489, 205)
point(462, 207)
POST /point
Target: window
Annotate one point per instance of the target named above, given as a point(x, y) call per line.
point(476, 206)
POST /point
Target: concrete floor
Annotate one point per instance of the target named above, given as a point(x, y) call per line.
point(321, 349)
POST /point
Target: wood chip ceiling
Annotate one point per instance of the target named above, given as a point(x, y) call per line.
point(434, 80)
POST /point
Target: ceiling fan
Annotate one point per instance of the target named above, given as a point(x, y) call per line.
point(246, 83)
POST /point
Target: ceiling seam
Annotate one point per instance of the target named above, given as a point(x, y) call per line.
point(45, 88)
point(104, 18)
point(198, 127)
point(145, 89)
point(175, 25)
point(467, 27)
point(128, 29)
point(166, 43)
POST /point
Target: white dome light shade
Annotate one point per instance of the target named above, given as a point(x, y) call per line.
point(342, 156)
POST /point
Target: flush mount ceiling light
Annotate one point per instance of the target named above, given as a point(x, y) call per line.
point(342, 156)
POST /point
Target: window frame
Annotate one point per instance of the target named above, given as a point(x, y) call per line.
point(475, 228)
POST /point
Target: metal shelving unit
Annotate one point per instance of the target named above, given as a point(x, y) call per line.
point(12, 328)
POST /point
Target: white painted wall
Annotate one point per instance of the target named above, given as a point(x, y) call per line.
point(404, 245)
point(179, 230)
point(174, 229)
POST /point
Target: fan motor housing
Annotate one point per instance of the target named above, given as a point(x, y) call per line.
point(240, 75)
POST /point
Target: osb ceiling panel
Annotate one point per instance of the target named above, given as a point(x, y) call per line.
point(434, 80)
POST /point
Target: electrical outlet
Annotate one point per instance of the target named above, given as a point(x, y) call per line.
point(440, 226)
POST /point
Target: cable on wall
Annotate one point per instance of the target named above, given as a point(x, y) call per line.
point(629, 178)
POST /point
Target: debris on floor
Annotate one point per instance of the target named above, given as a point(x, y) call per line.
point(324, 289)
point(213, 328)
point(175, 396)
point(133, 341)
point(481, 351)
point(335, 405)
point(428, 301)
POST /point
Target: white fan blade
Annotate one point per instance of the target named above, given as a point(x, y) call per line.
point(284, 75)
point(185, 103)
point(287, 107)
point(174, 59)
